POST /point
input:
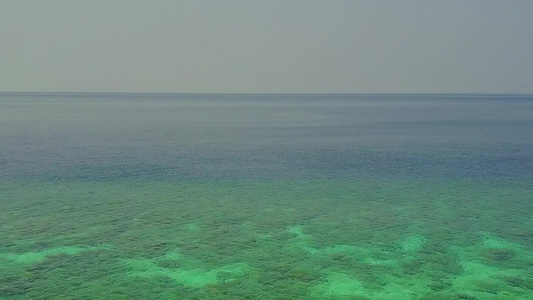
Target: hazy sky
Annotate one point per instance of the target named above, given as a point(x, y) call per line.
point(272, 46)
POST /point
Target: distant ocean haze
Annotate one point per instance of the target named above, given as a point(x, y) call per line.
point(167, 136)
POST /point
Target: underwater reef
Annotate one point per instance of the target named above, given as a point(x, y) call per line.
point(389, 239)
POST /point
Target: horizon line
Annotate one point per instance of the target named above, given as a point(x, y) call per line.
point(259, 93)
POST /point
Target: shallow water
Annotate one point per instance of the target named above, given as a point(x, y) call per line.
point(161, 196)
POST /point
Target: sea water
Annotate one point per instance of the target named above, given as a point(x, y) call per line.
point(188, 196)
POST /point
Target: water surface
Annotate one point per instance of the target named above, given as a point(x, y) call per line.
point(166, 196)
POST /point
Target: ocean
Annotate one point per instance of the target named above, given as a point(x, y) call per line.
point(253, 196)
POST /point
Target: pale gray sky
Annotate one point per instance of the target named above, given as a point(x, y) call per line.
point(270, 46)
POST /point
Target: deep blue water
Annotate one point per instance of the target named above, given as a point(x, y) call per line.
point(202, 137)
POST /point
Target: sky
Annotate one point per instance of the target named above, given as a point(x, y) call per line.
point(270, 46)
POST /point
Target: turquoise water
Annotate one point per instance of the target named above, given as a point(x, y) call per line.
point(162, 196)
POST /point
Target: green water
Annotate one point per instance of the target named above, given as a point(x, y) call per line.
point(378, 239)
point(166, 196)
